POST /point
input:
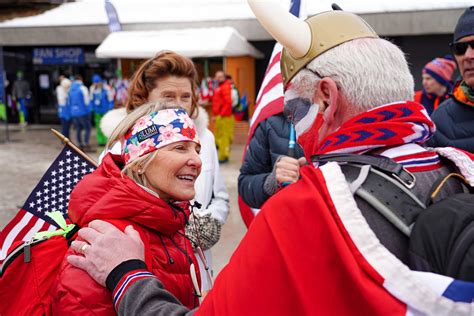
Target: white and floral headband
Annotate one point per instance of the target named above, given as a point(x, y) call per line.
point(157, 130)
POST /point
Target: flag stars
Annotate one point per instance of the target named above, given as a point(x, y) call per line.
point(53, 192)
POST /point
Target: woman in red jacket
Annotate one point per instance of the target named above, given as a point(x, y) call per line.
point(148, 186)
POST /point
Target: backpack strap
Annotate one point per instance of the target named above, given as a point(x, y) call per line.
point(383, 164)
point(384, 184)
point(441, 181)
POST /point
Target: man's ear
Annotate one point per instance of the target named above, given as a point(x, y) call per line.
point(327, 95)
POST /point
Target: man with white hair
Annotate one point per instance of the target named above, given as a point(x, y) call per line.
point(321, 246)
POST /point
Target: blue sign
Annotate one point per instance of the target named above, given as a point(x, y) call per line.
point(58, 56)
point(114, 23)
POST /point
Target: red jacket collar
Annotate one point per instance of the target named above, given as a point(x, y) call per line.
point(108, 194)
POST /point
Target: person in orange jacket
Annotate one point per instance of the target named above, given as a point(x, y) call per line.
point(436, 83)
point(222, 111)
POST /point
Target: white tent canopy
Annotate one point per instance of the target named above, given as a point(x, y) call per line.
point(201, 42)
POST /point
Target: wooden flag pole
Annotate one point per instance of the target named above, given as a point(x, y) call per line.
point(67, 141)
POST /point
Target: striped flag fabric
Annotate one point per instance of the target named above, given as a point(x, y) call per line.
point(50, 194)
point(317, 255)
point(269, 102)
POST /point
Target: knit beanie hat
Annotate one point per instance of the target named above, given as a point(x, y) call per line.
point(441, 69)
point(465, 25)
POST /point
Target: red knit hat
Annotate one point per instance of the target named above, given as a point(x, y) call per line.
point(441, 69)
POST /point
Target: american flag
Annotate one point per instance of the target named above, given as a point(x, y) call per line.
point(269, 102)
point(51, 194)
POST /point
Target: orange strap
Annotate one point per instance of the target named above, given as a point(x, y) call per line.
point(436, 103)
point(418, 95)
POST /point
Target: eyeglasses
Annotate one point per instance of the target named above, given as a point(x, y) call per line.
point(460, 48)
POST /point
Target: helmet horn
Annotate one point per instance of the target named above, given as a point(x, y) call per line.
point(294, 34)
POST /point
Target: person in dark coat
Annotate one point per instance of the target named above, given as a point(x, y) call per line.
point(454, 118)
point(266, 164)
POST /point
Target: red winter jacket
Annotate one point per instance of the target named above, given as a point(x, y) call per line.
point(222, 99)
point(107, 195)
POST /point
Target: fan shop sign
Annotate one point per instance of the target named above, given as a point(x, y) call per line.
point(58, 56)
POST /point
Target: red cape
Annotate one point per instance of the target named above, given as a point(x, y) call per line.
point(297, 259)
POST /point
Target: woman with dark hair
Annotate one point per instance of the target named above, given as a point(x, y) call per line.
point(171, 77)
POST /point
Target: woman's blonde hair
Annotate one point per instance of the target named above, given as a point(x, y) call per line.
point(135, 169)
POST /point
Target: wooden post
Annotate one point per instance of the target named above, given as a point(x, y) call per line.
point(67, 141)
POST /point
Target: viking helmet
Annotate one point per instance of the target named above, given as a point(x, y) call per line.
point(305, 40)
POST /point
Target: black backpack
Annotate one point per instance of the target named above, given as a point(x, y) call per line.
point(437, 237)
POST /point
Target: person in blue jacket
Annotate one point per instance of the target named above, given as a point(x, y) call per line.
point(101, 102)
point(78, 106)
point(266, 165)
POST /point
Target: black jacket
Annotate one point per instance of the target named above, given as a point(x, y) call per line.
point(454, 125)
point(269, 141)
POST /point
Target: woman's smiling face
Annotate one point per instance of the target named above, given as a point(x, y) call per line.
point(174, 170)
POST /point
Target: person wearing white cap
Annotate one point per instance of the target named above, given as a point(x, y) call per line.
point(316, 248)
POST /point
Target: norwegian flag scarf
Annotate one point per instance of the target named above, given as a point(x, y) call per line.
point(385, 126)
